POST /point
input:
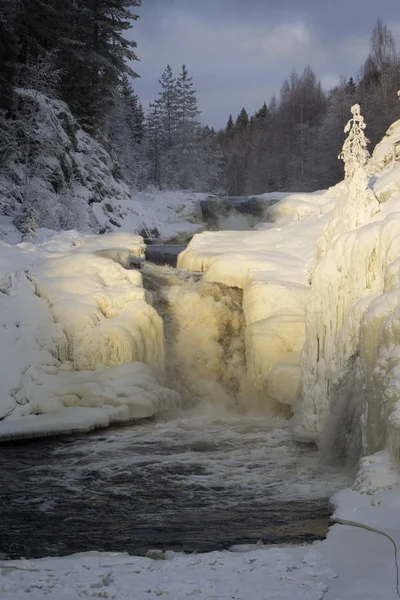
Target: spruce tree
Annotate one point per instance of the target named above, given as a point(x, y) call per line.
point(154, 134)
point(96, 56)
point(242, 120)
point(125, 126)
point(230, 124)
point(168, 109)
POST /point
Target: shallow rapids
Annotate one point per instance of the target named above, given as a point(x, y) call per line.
point(215, 473)
point(184, 482)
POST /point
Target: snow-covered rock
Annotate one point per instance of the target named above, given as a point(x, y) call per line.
point(74, 182)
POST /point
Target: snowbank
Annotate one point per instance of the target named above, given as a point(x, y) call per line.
point(287, 574)
point(79, 333)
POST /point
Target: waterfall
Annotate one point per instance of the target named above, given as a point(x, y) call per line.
point(204, 338)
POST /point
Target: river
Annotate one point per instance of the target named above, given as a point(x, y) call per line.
point(214, 473)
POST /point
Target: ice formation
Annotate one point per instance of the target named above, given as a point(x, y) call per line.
point(350, 359)
point(272, 267)
point(321, 290)
point(81, 334)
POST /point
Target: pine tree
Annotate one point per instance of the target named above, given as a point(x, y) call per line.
point(154, 133)
point(261, 114)
point(97, 55)
point(125, 125)
point(179, 148)
point(187, 109)
point(188, 149)
point(351, 87)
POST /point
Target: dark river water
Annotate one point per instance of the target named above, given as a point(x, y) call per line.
point(164, 254)
point(186, 481)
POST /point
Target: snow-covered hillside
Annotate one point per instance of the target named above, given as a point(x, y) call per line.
point(71, 181)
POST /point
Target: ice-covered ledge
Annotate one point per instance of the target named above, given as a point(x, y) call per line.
point(350, 386)
point(84, 346)
point(272, 266)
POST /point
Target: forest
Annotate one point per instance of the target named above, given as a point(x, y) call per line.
point(79, 52)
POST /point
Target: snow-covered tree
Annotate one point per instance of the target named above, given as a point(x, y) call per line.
point(34, 147)
point(189, 144)
point(179, 147)
point(187, 109)
point(125, 124)
point(168, 108)
point(354, 152)
point(153, 133)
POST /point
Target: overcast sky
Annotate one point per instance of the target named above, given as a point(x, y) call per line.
point(240, 51)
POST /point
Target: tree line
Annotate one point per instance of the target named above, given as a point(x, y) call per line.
point(79, 51)
point(293, 142)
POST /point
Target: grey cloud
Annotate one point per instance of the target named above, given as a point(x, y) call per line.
point(239, 52)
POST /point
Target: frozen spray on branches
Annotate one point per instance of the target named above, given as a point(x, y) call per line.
point(354, 152)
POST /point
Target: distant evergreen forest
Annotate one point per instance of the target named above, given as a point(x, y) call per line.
point(78, 51)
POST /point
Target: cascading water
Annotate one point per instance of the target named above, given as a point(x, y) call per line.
point(204, 337)
point(213, 473)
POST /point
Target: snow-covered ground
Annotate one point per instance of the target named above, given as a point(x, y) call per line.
point(165, 216)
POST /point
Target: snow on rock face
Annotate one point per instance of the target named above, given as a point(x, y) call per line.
point(80, 333)
point(74, 183)
point(70, 173)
